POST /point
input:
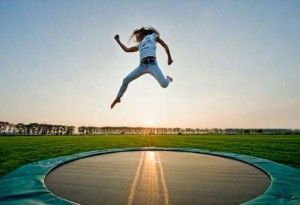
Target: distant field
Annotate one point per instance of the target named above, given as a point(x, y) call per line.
point(17, 151)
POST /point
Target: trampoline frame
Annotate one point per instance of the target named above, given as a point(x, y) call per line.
point(26, 185)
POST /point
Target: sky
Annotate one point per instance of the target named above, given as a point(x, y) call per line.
point(236, 63)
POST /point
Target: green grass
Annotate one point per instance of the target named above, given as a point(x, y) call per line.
point(17, 151)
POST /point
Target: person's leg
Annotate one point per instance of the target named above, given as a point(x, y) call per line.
point(159, 76)
point(137, 72)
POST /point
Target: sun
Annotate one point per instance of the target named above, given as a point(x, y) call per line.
point(150, 122)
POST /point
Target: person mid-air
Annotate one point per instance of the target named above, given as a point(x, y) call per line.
point(146, 39)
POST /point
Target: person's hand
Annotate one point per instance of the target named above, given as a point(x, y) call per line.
point(170, 61)
point(117, 37)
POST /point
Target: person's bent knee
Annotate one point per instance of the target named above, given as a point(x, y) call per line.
point(126, 80)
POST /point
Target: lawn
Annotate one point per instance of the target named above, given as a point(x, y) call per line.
point(17, 151)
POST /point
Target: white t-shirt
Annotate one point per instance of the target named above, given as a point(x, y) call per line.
point(148, 46)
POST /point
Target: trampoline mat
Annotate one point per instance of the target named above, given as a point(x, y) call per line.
point(157, 177)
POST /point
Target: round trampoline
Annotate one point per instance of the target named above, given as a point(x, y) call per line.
point(152, 175)
point(157, 177)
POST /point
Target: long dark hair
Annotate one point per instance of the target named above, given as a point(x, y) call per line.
point(143, 31)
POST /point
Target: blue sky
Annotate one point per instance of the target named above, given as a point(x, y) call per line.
point(236, 63)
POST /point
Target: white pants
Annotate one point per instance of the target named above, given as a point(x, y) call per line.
point(152, 68)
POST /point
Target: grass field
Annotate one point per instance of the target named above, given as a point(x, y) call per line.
point(17, 151)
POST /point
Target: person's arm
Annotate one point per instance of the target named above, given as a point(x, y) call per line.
point(131, 49)
point(165, 46)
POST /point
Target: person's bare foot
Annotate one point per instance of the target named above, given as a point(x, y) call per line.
point(117, 100)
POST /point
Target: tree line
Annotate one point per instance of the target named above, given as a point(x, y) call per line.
point(7, 128)
point(152, 130)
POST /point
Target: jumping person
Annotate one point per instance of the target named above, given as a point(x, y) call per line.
point(146, 39)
